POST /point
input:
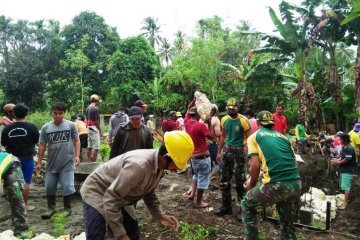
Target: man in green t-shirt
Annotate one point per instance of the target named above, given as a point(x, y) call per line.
point(280, 185)
point(302, 139)
point(235, 128)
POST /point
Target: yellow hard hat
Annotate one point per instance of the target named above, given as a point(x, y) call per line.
point(180, 147)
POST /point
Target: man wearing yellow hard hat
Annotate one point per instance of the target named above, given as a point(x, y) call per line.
point(109, 192)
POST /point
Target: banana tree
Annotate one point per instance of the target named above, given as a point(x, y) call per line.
point(293, 43)
point(352, 22)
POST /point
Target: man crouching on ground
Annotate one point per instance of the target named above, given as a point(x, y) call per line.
point(109, 192)
point(280, 184)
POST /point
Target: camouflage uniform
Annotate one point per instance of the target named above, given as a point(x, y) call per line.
point(280, 182)
point(286, 196)
point(13, 187)
point(233, 159)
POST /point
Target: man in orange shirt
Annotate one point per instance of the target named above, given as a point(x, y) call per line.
point(280, 120)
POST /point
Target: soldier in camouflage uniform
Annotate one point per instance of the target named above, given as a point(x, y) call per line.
point(280, 185)
point(11, 173)
point(235, 129)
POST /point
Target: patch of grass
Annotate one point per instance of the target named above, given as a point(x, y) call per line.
point(318, 224)
point(198, 232)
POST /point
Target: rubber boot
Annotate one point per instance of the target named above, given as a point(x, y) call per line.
point(224, 209)
point(67, 205)
point(51, 201)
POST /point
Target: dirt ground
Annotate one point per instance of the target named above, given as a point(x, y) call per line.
point(314, 172)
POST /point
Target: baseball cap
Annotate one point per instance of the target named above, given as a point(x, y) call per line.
point(265, 118)
point(94, 96)
point(231, 103)
point(345, 136)
point(215, 107)
point(357, 127)
point(193, 110)
point(134, 112)
point(178, 114)
point(139, 103)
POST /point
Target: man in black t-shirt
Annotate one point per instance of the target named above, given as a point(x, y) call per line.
point(19, 138)
point(347, 164)
point(94, 131)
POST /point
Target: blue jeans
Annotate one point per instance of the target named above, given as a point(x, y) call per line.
point(95, 225)
point(201, 172)
point(66, 180)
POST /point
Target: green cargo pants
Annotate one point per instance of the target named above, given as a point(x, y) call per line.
point(286, 196)
point(233, 161)
point(13, 187)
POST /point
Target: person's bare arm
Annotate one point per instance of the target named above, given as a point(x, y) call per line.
point(221, 145)
point(40, 156)
point(77, 151)
point(254, 170)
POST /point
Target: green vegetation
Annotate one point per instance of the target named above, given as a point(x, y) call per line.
point(309, 66)
point(104, 151)
point(191, 232)
point(319, 224)
point(59, 221)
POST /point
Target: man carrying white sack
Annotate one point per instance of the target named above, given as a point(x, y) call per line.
point(111, 190)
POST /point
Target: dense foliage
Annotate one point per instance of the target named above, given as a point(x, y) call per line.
point(309, 65)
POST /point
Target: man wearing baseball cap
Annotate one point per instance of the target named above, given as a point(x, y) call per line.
point(140, 103)
point(271, 151)
point(94, 130)
point(134, 135)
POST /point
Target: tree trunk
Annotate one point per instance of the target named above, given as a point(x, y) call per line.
point(334, 78)
point(357, 79)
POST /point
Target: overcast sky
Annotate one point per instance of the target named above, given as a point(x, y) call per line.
point(127, 16)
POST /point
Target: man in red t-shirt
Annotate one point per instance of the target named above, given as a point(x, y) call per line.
point(200, 161)
point(280, 120)
point(170, 124)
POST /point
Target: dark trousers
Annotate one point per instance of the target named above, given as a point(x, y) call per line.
point(213, 149)
point(95, 224)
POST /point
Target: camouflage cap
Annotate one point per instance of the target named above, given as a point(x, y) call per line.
point(231, 103)
point(265, 118)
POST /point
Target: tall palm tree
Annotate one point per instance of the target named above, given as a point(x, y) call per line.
point(151, 30)
point(165, 51)
point(179, 43)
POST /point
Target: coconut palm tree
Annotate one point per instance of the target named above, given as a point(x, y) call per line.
point(151, 30)
point(179, 43)
point(165, 51)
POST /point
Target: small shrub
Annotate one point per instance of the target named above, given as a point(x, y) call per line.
point(104, 151)
point(199, 232)
point(59, 221)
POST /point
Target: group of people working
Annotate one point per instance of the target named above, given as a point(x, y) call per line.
point(238, 144)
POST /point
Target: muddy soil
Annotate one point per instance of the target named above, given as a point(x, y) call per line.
point(314, 172)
